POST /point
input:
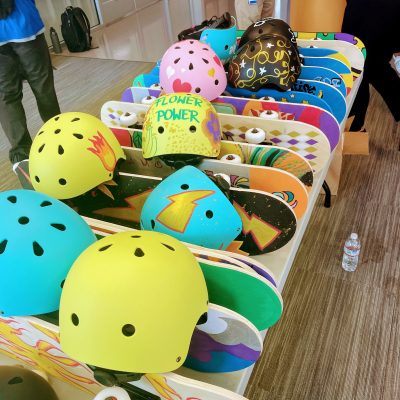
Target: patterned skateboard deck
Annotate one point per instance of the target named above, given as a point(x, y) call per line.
point(327, 76)
point(316, 51)
point(330, 94)
point(36, 343)
point(277, 182)
point(308, 141)
point(308, 114)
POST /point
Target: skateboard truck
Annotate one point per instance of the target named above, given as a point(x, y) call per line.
point(111, 378)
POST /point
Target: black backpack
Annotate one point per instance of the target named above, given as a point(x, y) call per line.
point(75, 29)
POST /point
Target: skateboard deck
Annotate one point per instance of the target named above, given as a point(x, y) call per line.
point(102, 228)
point(121, 201)
point(308, 114)
point(36, 342)
point(327, 76)
point(306, 140)
point(288, 96)
point(330, 94)
point(277, 182)
point(320, 51)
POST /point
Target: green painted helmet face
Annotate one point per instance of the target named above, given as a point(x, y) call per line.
point(17, 383)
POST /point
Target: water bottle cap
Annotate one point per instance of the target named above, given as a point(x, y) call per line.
point(354, 236)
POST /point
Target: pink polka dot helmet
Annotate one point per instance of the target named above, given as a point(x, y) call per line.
point(192, 67)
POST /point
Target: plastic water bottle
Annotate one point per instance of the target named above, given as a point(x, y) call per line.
point(351, 252)
point(55, 41)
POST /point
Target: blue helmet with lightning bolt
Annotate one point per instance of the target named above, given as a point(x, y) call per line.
point(189, 206)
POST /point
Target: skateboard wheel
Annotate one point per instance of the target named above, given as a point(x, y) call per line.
point(269, 114)
point(255, 135)
point(148, 99)
point(267, 98)
point(128, 119)
point(232, 158)
point(155, 86)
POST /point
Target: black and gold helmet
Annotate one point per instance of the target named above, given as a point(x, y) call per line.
point(268, 61)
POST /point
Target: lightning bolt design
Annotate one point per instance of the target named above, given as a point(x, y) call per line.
point(262, 233)
point(177, 214)
point(130, 213)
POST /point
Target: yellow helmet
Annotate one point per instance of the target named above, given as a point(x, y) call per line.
point(131, 302)
point(72, 153)
point(181, 123)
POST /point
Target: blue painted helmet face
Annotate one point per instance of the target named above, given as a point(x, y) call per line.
point(190, 207)
point(222, 41)
point(40, 239)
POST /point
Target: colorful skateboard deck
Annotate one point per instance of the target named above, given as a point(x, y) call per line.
point(36, 343)
point(252, 154)
point(342, 69)
point(308, 114)
point(288, 96)
point(277, 182)
point(308, 141)
point(320, 51)
point(244, 292)
point(330, 94)
point(327, 76)
point(105, 228)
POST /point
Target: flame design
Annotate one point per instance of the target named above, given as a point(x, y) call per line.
point(160, 384)
point(104, 151)
point(39, 347)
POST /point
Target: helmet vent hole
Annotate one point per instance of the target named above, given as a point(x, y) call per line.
point(62, 284)
point(177, 47)
point(205, 60)
point(104, 248)
point(41, 147)
point(197, 90)
point(191, 51)
point(191, 41)
point(59, 227)
point(160, 129)
point(209, 214)
point(15, 381)
point(56, 118)
point(153, 224)
point(260, 31)
point(226, 47)
point(12, 199)
point(139, 252)
point(40, 133)
point(75, 119)
point(45, 203)
point(60, 150)
point(37, 249)
point(216, 81)
point(205, 48)
point(128, 330)
point(135, 236)
point(75, 319)
point(23, 220)
point(62, 181)
point(190, 66)
point(252, 48)
point(177, 60)
point(178, 359)
point(78, 135)
point(185, 186)
point(57, 131)
point(192, 129)
point(168, 246)
point(203, 318)
point(37, 179)
point(3, 246)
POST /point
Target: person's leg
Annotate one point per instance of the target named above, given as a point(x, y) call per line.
point(12, 114)
point(360, 105)
point(386, 81)
point(268, 8)
point(35, 60)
